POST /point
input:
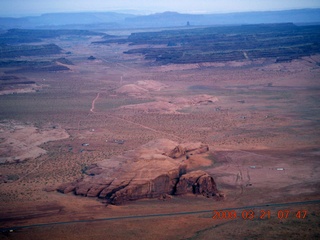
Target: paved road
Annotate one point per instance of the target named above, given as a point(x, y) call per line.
point(159, 215)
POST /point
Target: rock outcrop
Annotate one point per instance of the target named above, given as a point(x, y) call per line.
point(188, 149)
point(196, 182)
point(164, 104)
point(21, 142)
point(147, 172)
point(141, 88)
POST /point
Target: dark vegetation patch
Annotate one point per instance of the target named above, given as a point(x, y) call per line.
point(8, 178)
point(64, 61)
point(23, 63)
point(229, 43)
point(8, 81)
point(112, 39)
point(201, 88)
point(52, 68)
point(8, 78)
point(20, 82)
point(17, 36)
point(32, 66)
point(11, 51)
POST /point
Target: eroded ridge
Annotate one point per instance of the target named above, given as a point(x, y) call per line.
point(156, 169)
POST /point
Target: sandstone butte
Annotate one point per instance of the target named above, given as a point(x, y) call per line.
point(156, 169)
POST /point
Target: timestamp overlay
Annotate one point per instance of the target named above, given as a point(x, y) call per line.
point(281, 211)
point(251, 214)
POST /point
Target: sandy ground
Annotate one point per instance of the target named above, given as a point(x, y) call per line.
point(260, 120)
point(21, 142)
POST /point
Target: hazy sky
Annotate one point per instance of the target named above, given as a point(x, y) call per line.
point(37, 7)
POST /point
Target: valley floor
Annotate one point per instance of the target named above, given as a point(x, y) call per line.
point(259, 118)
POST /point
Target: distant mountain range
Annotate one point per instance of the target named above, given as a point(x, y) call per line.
point(112, 20)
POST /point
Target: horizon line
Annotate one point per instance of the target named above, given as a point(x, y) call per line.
point(147, 12)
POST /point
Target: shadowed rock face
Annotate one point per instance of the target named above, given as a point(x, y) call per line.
point(196, 182)
point(153, 170)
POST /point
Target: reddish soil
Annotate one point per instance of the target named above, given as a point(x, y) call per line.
point(263, 134)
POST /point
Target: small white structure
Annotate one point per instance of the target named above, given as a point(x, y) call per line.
point(280, 169)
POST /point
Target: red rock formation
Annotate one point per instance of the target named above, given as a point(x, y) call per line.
point(196, 182)
point(177, 152)
point(188, 149)
point(147, 172)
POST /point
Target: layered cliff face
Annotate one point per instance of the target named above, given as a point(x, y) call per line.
point(155, 169)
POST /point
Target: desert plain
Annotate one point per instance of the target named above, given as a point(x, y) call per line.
point(259, 118)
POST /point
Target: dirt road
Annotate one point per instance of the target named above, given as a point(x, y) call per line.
point(93, 102)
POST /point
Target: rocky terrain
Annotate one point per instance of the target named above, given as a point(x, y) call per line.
point(156, 169)
point(141, 88)
point(172, 104)
point(20, 142)
point(98, 130)
point(146, 89)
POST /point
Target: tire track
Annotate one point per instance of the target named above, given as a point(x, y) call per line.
point(128, 121)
